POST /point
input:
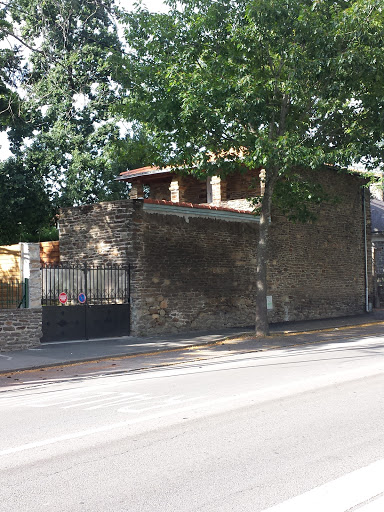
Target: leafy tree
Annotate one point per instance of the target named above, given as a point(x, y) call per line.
point(10, 67)
point(69, 134)
point(65, 139)
point(25, 207)
point(278, 84)
point(136, 149)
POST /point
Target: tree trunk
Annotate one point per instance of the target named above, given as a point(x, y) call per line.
point(262, 326)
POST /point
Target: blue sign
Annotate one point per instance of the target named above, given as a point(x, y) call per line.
point(82, 298)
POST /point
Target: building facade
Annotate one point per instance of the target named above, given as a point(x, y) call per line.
point(193, 265)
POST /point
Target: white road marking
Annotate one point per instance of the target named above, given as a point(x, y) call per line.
point(347, 493)
point(96, 430)
point(170, 402)
point(118, 401)
point(103, 395)
point(51, 398)
point(259, 395)
point(112, 396)
point(98, 391)
point(206, 405)
point(374, 506)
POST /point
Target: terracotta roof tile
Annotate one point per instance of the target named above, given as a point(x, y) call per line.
point(142, 171)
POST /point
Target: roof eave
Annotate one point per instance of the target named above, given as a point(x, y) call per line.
point(127, 177)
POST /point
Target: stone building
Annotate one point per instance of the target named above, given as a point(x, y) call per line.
point(192, 246)
point(162, 184)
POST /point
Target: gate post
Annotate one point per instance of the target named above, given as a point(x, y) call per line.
point(30, 269)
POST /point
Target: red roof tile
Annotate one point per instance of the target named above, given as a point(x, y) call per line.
point(142, 171)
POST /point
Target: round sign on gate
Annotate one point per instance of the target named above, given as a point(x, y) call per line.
point(63, 297)
point(82, 298)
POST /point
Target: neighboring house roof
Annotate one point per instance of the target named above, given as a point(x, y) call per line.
point(377, 216)
point(142, 171)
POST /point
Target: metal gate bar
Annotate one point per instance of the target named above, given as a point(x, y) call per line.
point(105, 311)
point(103, 284)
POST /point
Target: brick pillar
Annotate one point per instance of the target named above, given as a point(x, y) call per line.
point(223, 186)
point(216, 190)
point(262, 181)
point(136, 191)
point(175, 190)
point(183, 187)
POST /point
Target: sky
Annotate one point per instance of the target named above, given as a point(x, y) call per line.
point(152, 5)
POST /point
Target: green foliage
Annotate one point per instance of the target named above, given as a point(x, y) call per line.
point(297, 198)
point(25, 208)
point(9, 67)
point(275, 84)
point(134, 150)
point(69, 135)
point(44, 234)
point(64, 133)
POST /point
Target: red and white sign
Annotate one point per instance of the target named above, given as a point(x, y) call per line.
point(63, 297)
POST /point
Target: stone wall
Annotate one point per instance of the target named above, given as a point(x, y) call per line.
point(97, 233)
point(200, 273)
point(191, 272)
point(197, 271)
point(317, 270)
point(20, 328)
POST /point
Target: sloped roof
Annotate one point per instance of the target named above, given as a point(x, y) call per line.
point(142, 171)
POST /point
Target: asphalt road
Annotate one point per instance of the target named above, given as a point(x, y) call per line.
point(294, 429)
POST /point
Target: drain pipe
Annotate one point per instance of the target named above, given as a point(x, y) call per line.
point(367, 308)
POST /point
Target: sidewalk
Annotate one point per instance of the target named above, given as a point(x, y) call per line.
point(52, 354)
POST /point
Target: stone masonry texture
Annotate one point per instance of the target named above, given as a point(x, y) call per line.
point(20, 328)
point(193, 272)
point(97, 233)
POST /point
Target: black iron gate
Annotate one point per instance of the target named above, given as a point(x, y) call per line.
point(85, 302)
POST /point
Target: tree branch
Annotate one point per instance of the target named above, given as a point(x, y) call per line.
point(283, 114)
point(8, 33)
